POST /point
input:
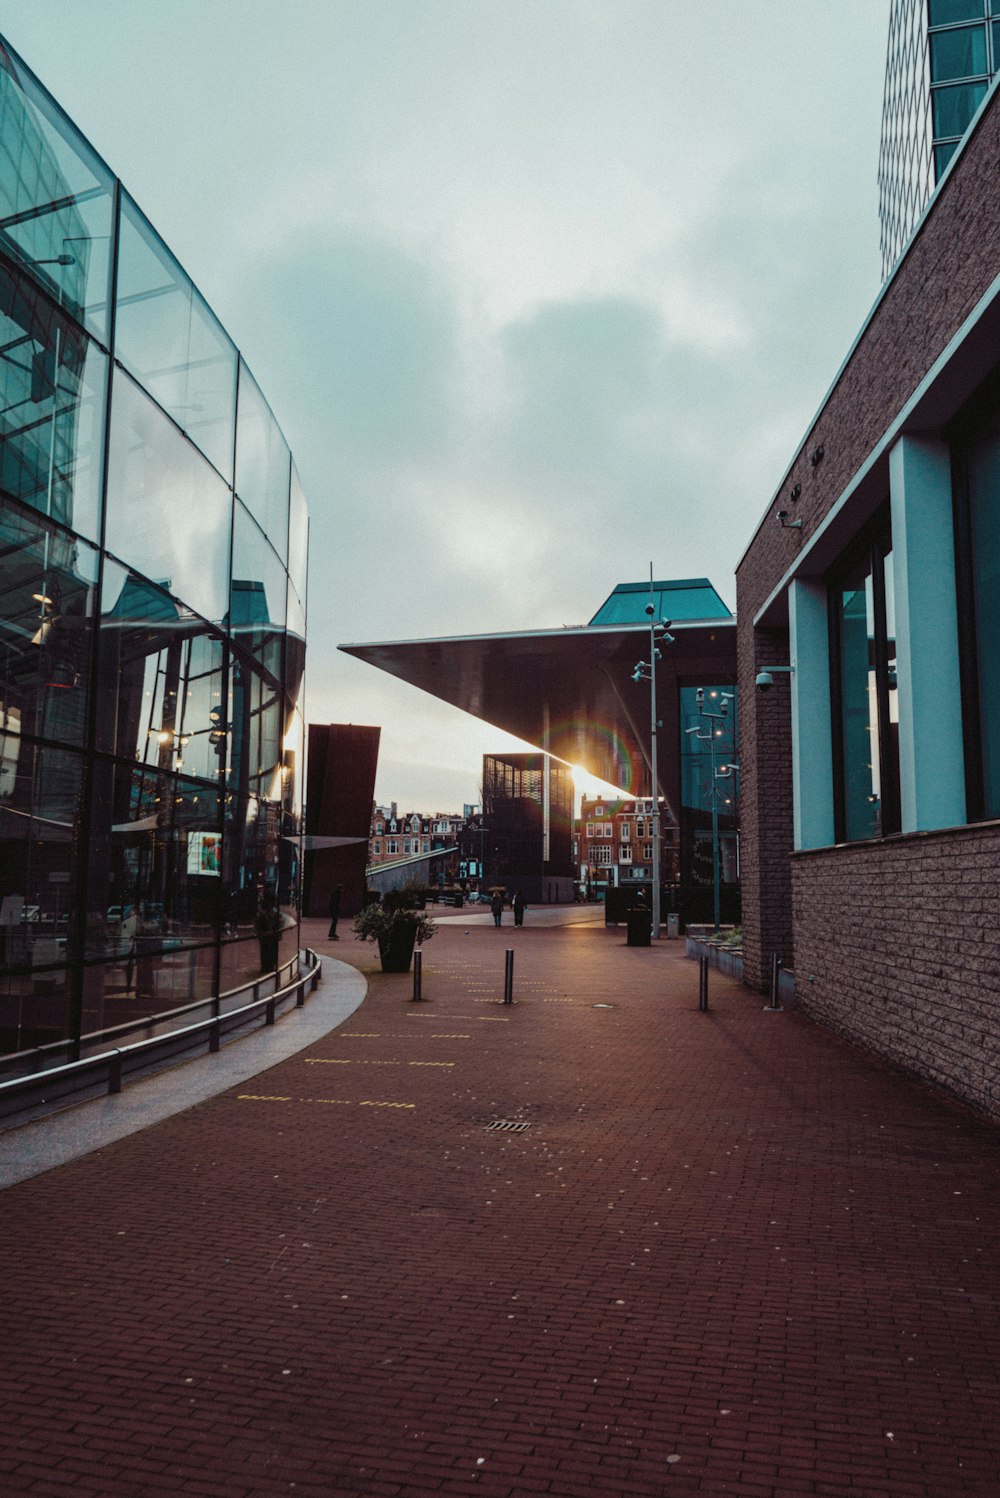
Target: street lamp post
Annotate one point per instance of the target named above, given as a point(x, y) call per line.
point(646, 671)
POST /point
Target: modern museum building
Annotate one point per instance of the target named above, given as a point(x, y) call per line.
point(153, 548)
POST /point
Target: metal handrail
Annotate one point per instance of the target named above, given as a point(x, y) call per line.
point(36, 1057)
point(125, 1060)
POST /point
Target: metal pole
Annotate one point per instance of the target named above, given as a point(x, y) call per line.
point(773, 1004)
point(418, 962)
point(653, 766)
point(715, 842)
point(508, 977)
point(703, 983)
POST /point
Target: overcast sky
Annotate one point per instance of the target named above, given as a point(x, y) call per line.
point(539, 290)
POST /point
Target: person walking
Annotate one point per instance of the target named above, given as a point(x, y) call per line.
point(496, 905)
point(518, 906)
point(334, 908)
point(267, 926)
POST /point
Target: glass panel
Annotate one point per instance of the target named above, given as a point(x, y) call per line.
point(56, 199)
point(263, 464)
point(255, 733)
point(954, 107)
point(47, 580)
point(169, 514)
point(942, 156)
point(707, 749)
point(298, 538)
point(161, 679)
point(259, 585)
point(984, 505)
point(943, 12)
point(52, 389)
point(155, 862)
point(995, 27)
point(166, 335)
point(39, 821)
point(958, 54)
point(859, 706)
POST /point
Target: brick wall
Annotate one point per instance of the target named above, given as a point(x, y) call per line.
point(898, 947)
point(948, 268)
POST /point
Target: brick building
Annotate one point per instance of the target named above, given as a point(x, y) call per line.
point(614, 844)
point(871, 768)
point(394, 835)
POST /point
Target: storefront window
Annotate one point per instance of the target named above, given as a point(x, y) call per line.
point(977, 495)
point(865, 693)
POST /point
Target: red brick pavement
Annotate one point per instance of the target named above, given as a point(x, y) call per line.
point(730, 1255)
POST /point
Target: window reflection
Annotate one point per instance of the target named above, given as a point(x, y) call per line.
point(866, 700)
point(263, 464)
point(166, 335)
point(55, 200)
point(259, 585)
point(47, 579)
point(52, 382)
point(169, 514)
point(298, 540)
point(162, 678)
point(39, 822)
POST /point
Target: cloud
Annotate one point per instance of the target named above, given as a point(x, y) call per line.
point(362, 336)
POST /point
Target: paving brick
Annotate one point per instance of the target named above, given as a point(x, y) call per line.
point(730, 1238)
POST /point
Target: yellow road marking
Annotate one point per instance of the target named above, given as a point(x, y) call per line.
point(430, 1063)
point(345, 1102)
point(344, 1061)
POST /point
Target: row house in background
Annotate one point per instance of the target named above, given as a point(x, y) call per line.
point(408, 835)
point(613, 844)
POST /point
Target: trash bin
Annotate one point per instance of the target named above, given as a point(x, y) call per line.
point(673, 925)
point(639, 923)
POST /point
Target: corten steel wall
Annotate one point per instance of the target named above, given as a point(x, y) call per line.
point(340, 786)
point(898, 947)
point(949, 266)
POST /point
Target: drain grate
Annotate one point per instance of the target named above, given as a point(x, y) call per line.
point(509, 1125)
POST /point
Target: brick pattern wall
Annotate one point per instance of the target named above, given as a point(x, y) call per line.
point(948, 268)
point(898, 947)
point(766, 806)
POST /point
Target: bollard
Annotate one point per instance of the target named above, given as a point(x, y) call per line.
point(508, 977)
point(214, 1036)
point(703, 983)
point(418, 963)
point(773, 1005)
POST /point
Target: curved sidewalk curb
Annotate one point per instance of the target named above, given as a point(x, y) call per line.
point(78, 1130)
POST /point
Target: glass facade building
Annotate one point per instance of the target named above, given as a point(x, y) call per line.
point(941, 57)
point(153, 549)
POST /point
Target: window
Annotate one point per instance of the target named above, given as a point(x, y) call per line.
point(625, 853)
point(392, 845)
point(379, 828)
point(976, 485)
point(647, 852)
point(626, 832)
point(864, 694)
point(602, 857)
point(944, 12)
point(958, 54)
point(376, 847)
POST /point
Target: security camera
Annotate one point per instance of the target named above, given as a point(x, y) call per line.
point(765, 681)
point(650, 608)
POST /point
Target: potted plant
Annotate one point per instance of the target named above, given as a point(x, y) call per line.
point(397, 924)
